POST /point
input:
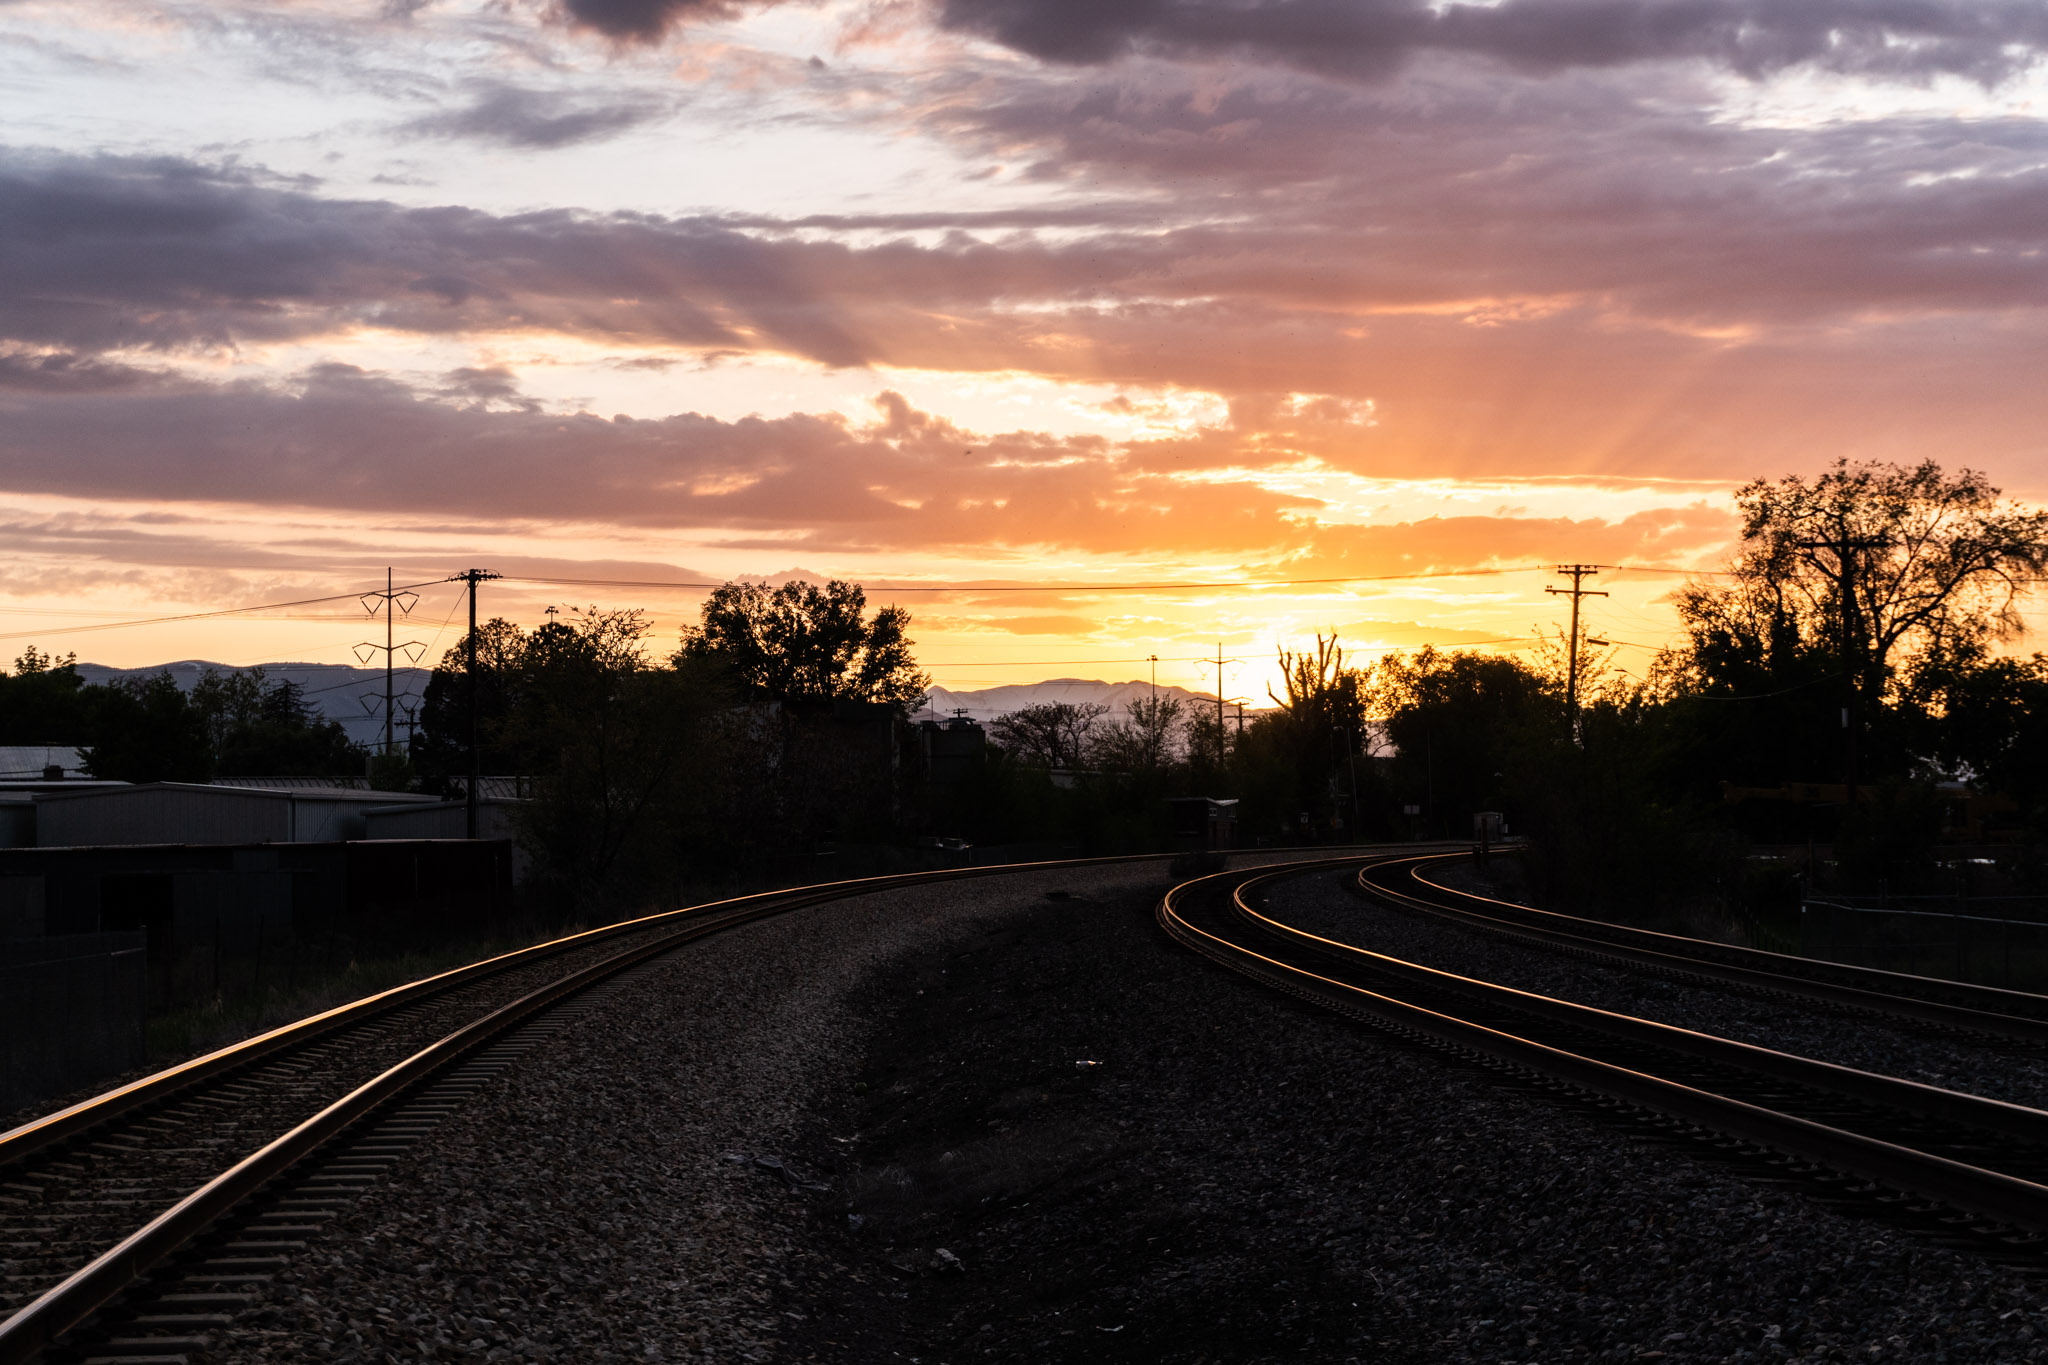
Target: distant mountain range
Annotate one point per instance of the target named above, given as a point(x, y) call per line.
point(340, 692)
point(990, 702)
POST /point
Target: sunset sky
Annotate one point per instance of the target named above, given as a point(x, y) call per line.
point(1010, 293)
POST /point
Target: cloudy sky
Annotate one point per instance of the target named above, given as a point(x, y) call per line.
point(1026, 294)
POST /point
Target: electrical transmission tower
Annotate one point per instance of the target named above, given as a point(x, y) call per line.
point(472, 577)
point(1578, 574)
point(389, 604)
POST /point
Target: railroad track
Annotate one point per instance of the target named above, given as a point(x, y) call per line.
point(1955, 1005)
point(157, 1209)
point(1972, 1170)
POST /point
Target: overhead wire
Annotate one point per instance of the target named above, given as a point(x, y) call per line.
point(969, 588)
point(197, 615)
point(1762, 696)
point(1668, 568)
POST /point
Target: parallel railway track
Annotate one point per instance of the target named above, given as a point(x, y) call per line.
point(2006, 1014)
point(1974, 1170)
point(198, 1182)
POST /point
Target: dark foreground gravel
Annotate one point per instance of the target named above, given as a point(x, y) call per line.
point(1009, 1121)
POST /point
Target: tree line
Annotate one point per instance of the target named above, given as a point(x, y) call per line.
point(1847, 680)
point(770, 729)
point(148, 729)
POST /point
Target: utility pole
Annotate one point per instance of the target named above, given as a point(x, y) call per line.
point(1845, 547)
point(385, 601)
point(1578, 573)
point(1343, 734)
point(1220, 661)
point(472, 577)
point(1155, 675)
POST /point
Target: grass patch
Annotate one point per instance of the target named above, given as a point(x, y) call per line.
point(220, 1017)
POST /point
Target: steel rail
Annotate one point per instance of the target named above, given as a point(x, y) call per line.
point(1987, 1194)
point(40, 1322)
point(79, 1118)
point(1892, 1092)
point(75, 1120)
point(1910, 997)
point(1989, 1000)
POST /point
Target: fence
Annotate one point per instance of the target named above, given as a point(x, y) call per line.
point(72, 1010)
point(1989, 940)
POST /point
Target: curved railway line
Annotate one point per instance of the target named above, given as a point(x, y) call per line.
point(148, 1212)
point(135, 1223)
point(1972, 1170)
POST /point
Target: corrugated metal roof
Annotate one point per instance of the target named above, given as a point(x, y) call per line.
point(201, 790)
point(195, 813)
point(294, 783)
point(27, 762)
point(511, 787)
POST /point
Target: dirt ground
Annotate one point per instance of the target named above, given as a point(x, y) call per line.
point(1074, 1141)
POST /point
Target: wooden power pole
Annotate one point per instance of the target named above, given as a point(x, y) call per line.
point(1578, 574)
point(472, 577)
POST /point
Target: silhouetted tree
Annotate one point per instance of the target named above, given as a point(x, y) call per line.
point(1456, 720)
point(1049, 734)
point(440, 743)
point(1992, 725)
point(1143, 743)
point(255, 728)
point(802, 642)
point(146, 730)
point(1843, 587)
point(45, 701)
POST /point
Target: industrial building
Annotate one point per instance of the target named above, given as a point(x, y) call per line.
point(118, 898)
point(192, 813)
point(227, 892)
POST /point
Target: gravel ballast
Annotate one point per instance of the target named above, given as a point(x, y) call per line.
point(1008, 1120)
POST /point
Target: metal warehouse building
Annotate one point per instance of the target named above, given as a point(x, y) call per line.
point(188, 813)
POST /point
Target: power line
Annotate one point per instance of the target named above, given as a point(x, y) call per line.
point(194, 616)
point(693, 584)
point(353, 682)
point(1058, 663)
point(1205, 659)
point(1666, 568)
point(1762, 696)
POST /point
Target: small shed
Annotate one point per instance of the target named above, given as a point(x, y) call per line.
point(1203, 822)
point(495, 819)
point(191, 813)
